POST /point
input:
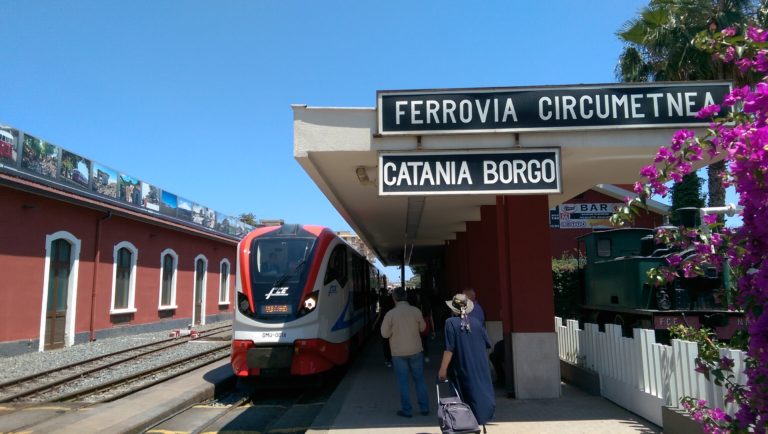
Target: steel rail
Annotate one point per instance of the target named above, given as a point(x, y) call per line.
point(78, 394)
point(79, 374)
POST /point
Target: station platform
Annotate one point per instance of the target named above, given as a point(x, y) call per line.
point(367, 399)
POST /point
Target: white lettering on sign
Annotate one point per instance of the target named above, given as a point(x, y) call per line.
point(518, 171)
point(277, 292)
point(424, 173)
point(617, 106)
point(432, 111)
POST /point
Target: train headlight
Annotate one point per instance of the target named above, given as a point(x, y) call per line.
point(310, 303)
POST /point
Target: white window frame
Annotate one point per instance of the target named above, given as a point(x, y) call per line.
point(131, 283)
point(205, 288)
point(174, 274)
point(69, 322)
point(225, 301)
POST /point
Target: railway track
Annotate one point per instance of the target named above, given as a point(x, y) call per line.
point(60, 383)
point(121, 387)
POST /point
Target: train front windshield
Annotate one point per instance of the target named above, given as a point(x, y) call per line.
point(279, 269)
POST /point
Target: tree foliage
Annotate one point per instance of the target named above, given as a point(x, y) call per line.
point(249, 219)
point(659, 47)
point(686, 194)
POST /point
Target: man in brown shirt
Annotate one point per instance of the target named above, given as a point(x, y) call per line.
point(403, 325)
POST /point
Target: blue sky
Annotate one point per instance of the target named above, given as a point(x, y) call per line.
point(194, 96)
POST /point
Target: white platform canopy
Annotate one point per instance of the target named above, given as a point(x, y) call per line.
point(338, 149)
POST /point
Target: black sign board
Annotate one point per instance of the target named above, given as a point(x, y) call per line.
point(546, 108)
point(516, 171)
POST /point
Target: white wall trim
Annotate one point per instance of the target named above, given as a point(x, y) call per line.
point(174, 274)
point(225, 300)
point(131, 284)
point(205, 285)
point(69, 324)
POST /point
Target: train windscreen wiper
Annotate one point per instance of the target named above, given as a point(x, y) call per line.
point(289, 273)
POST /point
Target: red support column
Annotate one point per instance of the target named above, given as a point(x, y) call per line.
point(525, 279)
point(530, 264)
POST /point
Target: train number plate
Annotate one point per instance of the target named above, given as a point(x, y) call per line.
point(663, 322)
point(272, 335)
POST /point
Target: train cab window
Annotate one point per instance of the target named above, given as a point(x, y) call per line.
point(337, 266)
point(604, 248)
point(281, 257)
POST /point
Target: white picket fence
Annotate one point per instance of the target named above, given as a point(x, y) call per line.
point(639, 374)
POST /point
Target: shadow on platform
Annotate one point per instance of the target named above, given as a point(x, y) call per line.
point(367, 400)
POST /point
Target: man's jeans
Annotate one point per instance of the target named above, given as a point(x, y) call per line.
point(415, 365)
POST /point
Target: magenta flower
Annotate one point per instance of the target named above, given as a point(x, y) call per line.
point(680, 137)
point(744, 64)
point(735, 95)
point(662, 155)
point(695, 151)
point(726, 363)
point(761, 62)
point(710, 219)
point(708, 111)
point(717, 415)
point(729, 55)
point(757, 100)
point(704, 249)
point(728, 32)
point(674, 260)
point(757, 34)
point(685, 168)
point(649, 171)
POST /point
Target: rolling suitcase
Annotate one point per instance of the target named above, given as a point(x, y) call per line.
point(454, 416)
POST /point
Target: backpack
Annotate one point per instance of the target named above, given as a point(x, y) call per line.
point(454, 416)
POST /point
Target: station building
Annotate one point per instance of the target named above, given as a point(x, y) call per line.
point(88, 252)
point(461, 181)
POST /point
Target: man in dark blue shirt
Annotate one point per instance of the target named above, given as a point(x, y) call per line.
point(477, 312)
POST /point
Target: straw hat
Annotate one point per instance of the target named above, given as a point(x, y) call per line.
point(459, 301)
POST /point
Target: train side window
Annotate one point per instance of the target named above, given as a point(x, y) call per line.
point(604, 248)
point(337, 266)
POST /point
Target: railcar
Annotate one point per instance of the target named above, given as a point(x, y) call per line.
point(305, 301)
point(616, 289)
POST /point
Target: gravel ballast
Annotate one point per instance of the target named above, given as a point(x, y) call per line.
point(25, 364)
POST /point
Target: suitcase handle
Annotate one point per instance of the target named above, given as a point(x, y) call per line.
point(437, 386)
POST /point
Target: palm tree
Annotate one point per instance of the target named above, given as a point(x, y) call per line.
point(659, 47)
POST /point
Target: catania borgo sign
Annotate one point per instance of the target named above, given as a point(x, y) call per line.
point(546, 108)
point(518, 171)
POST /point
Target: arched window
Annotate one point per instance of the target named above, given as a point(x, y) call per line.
point(125, 256)
point(224, 281)
point(57, 316)
point(169, 262)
